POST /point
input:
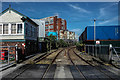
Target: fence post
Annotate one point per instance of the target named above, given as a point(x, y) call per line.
point(110, 52)
point(16, 55)
point(96, 50)
point(8, 54)
point(88, 49)
point(99, 52)
point(85, 48)
point(93, 50)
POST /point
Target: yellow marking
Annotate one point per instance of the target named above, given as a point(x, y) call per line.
point(107, 64)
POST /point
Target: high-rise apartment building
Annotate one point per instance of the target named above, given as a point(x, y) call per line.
point(54, 24)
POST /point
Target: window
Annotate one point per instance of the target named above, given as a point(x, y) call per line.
point(51, 27)
point(32, 29)
point(29, 32)
point(63, 22)
point(13, 28)
point(0, 29)
point(46, 23)
point(46, 32)
point(26, 28)
point(19, 28)
point(5, 28)
point(51, 21)
point(46, 27)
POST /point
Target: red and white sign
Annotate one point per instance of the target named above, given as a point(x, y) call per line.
point(23, 44)
point(97, 42)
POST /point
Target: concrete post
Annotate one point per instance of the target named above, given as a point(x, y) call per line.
point(110, 53)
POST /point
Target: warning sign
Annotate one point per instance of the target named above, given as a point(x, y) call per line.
point(97, 42)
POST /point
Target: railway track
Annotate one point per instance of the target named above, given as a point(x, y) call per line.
point(50, 65)
point(13, 75)
point(78, 66)
point(81, 74)
point(101, 70)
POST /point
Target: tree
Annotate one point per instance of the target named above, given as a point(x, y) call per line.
point(52, 40)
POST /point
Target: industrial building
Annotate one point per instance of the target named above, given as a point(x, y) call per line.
point(104, 34)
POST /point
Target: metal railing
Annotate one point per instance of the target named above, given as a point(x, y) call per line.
point(116, 54)
point(8, 55)
point(100, 51)
point(106, 53)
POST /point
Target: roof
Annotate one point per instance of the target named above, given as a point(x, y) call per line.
point(106, 26)
point(23, 18)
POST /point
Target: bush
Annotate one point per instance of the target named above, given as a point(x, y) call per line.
point(80, 46)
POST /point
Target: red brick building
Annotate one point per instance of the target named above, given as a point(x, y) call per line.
point(54, 24)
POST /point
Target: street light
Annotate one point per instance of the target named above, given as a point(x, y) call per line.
point(94, 30)
point(95, 27)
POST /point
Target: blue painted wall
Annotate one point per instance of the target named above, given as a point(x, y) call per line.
point(104, 32)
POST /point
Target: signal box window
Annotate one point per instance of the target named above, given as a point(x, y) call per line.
point(13, 28)
point(5, 28)
point(0, 29)
point(19, 28)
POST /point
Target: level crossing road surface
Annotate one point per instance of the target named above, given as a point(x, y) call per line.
point(64, 64)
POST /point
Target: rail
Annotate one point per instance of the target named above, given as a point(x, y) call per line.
point(35, 60)
point(84, 78)
point(106, 53)
point(43, 76)
point(98, 67)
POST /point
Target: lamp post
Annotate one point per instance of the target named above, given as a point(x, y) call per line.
point(94, 30)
